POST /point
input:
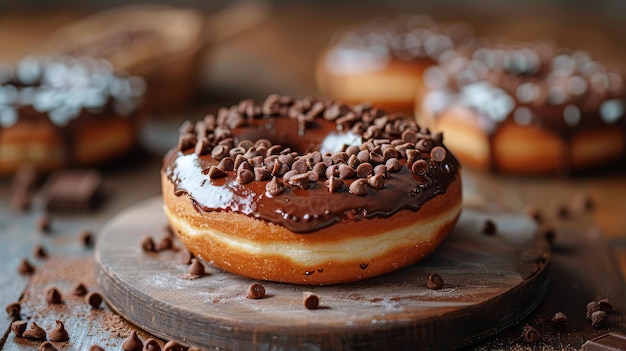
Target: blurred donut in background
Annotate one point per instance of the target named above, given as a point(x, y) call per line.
point(58, 111)
point(382, 60)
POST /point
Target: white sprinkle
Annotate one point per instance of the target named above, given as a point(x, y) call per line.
point(571, 115)
point(28, 70)
point(612, 110)
point(557, 95)
point(576, 85)
point(8, 116)
point(527, 92)
point(434, 78)
point(523, 116)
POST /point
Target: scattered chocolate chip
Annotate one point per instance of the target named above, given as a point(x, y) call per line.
point(18, 328)
point(359, 187)
point(39, 252)
point(530, 335)
point(72, 191)
point(173, 345)
point(438, 154)
point(185, 256)
point(598, 319)
point(53, 296)
point(59, 333)
point(256, 291)
point(196, 268)
point(94, 299)
point(559, 321)
point(166, 243)
point(47, 346)
point(434, 282)
point(79, 290)
point(86, 238)
point(13, 310)
point(44, 223)
point(420, 167)
point(132, 342)
point(489, 228)
point(147, 244)
point(311, 301)
point(35, 332)
point(151, 345)
point(25, 267)
point(96, 348)
point(592, 306)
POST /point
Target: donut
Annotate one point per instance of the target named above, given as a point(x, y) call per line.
point(309, 191)
point(164, 45)
point(527, 109)
point(382, 60)
point(59, 111)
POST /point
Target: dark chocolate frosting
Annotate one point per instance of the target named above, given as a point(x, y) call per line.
point(308, 164)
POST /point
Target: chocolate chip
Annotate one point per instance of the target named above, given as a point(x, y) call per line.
point(86, 238)
point(364, 170)
point(273, 188)
point(244, 176)
point(18, 328)
point(251, 153)
point(353, 161)
point(312, 176)
point(346, 172)
point(203, 145)
point(186, 127)
point(559, 321)
point(262, 173)
point(409, 136)
point(592, 306)
point(340, 157)
point(25, 267)
point(598, 319)
point(96, 348)
point(79, 289)
point(390, 153)
point(530, 335)
point(35, 332)
point(196, 268)
point(39, 252)
point(166, 243)
point(256, 291)
point(173, 345)
point(376, 158)
point(359, 187)
point(215, 172)
point(226, 164)
point(438, 154)
point(363, 156)
point(352, 150)
point(44, 223)
point(151, 345)
point(300, 181)
point(334, 184)
point(94, 299)
point(382, 170)
point(489, 228)
point(420, 167)
point(412, 155)
point(185, 256)
point(393, 165)
point(320, 169)
point(424, 145)
point(434, 282)
point(147, 244)
point(256, 161)
point(53, 296)
point(186, 141)
point(311, 301)
point(286, 159)
point(437, 137)
point(132, 342)
point(13, 310)
point(605, 305)
point(47, 346)
point(376, 181)
point(59, 333)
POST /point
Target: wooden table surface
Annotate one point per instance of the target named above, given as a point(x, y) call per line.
point(589, 255)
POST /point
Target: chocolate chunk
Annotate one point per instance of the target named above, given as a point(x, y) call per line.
point(489, 228)
point(39, 252)
point(44, 223)
point(359, 187)
point(598, 319)
point(185, 256)
point(96, 348)
point(35, 332)
point(215, 172)
point(438, 154)
point(273, 188)
point(59, 333)
point(377, 181)
point(53, 296)
point(79, 289)
point(47, 346)
point(196, 269)
point(434, 282)
point(72, 190)
point(132, 342)
point(94, 299)
point(256, 291)
point(559, 321)
point(86, 238)
point(311, 301)
point(530, 335)
point(25, 267)
point(147, 244)
point(13, 310)
point(151, 345)
point(420, 167)
point(606, 342)
point(18, 328)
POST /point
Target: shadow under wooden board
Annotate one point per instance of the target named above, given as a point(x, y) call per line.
point(490, 283)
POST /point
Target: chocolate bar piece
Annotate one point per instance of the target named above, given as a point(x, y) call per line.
point(75, 190)
point(606, 342)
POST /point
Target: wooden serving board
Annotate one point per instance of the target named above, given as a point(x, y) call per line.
point(491, 282)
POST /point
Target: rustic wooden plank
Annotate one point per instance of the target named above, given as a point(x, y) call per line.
point(491, 283)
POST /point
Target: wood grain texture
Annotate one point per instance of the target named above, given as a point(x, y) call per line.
point(491, 282)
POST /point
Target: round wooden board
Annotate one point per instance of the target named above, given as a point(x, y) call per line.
point(491, 282)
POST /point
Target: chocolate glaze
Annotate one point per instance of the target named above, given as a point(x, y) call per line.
point(562, 91)
point(305, 210)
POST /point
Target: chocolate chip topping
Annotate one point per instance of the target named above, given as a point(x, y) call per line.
point(25, 267)
point(35, 332)
point(53, 296)
point(256, 291)
point(39, 252)
point(375, 143)
point(598, 319)
point(18, 328)
point(151, 345)
point(147, 244)
point(132, 342)
point(47, 346)
point(94, 299)
point(434, 282)
point(559, 321)
point(310, 301)
point(59, 333)
point(196, 269)
point(13, 310)
point(86, 238)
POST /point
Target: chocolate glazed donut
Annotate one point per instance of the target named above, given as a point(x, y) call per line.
point(309, 192)
point(56, 111)
point(527, 109)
